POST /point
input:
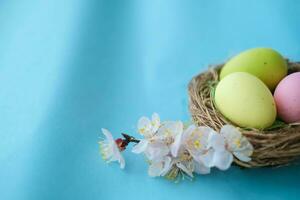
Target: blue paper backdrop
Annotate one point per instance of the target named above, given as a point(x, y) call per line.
point(68, 68)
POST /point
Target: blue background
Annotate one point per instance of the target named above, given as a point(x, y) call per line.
point(68, 68)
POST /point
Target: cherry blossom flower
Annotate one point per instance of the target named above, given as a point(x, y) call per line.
point(147, 127)
point(193, 151)
point(230, 142)
point(237, 143)
point(156, 145)
point(109, 149)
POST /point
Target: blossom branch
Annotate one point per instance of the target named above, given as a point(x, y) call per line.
point(129, 139)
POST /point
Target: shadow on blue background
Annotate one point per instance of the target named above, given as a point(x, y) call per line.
point(69, 68)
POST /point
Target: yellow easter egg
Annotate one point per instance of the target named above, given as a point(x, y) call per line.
point(265, 63)
point(245, 100)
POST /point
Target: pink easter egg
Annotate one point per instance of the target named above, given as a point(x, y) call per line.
point(287, 98)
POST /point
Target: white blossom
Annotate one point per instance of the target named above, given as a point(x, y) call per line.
point(196, 141)
point(158, 137)
point(237, 143)
point(228, 143)
point(147, 127)
point(192, 151)
point(109, 149)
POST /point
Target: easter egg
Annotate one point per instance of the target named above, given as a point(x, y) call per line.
point(265, 63)
point(287, 98)
point(245, 100)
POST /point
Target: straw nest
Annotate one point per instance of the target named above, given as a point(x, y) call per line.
point(276, 146)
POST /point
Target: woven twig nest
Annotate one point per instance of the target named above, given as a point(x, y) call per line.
point(272, 147)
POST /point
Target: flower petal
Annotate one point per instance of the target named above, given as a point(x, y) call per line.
point(155, 122)
point(144, 126)
point(186, 134)
point(156, 151)
point(160, 167)
point(155, 169)
point(232, 137)
point(246, 147)
point(229, 130)
point(175, 146)
point(217, 141)
point(122, 162)
point(200, 168)
point(222, 159)
point(241, 156)
point(108, 135)
point(170, 129)
point(206, 158)
point(167, 165)
point(140, 147)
